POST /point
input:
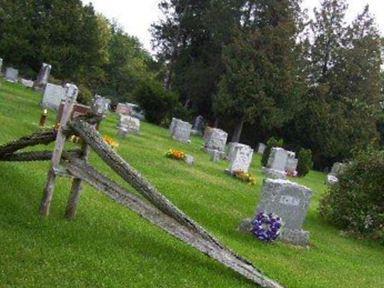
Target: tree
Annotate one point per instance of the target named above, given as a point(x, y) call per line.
point(344, 92)
point(262, 83)
point(189, 42)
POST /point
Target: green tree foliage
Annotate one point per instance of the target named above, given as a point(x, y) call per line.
point(81, 46)
point(155, 100)
point(342, 103)
point(305, 163)
point(271, 143)
point(356, 203)
point(262, 83)
point(190, 41)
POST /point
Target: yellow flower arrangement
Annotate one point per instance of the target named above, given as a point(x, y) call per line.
point(111, 142)
point(245, 177)
point(175, 154)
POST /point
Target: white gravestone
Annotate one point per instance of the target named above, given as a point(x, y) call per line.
point(277, 162)
point(100, 105)
point(122, 108)
point(241, 158)
point(216, 141)
point(289, 201)
point(261, 148)
point(11, 74)
point(53, 95)
point(291, 165)
point(27, 83)
point(128, 124)
point(1, 64)
point(181, 131)
point(43, 76)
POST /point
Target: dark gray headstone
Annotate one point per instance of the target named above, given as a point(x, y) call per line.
point(198, 126)
point(43, 76)
point(290, 201)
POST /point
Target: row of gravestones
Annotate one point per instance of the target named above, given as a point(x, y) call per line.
point(54, 95)
point(12, 75)
point(288, 200)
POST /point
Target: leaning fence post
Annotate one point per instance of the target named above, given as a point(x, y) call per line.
point(71, 95)
point(74, 196)
point(99, 108)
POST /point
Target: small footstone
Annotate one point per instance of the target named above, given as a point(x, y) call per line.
point(189, 159)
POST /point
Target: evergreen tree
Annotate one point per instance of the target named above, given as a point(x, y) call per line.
point(262, 83)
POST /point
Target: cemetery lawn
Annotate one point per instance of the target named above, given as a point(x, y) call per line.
point(109, 246)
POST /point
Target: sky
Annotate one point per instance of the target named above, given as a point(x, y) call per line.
point(136, 16)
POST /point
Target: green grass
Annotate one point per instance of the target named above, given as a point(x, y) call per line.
point(109, 246)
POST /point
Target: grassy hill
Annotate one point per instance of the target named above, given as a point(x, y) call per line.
point(109, 246)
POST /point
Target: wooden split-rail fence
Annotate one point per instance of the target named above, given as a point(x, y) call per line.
point(155, 208)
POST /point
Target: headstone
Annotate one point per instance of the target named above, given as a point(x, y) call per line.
point(291, 165)
point(278, 159)
point(53, 95)
point(289, 201)
point(100, 105)
point(11, 74)
point(27, 83)
point(280, 163)
point(128, 124)
point(333, 176)
point(216, 141)
point(1, 64)
point(216, 156)
point(189, 159)
point(181, 131)
point(124, 109)
point(198, 126)
point(43, 76)
point(172, 125)
point(241, 158)
point(261, 148)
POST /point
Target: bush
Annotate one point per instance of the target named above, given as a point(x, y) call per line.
point(272, 142)
point(356, 202)
point(305, 163)
point(154, 100)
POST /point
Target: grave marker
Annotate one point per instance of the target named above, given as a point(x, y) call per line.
point(27, 83)
point(181, 130)
point(128, 124)
point(261, 148)
point(289, 201)
point(198, 126)
point(43, 76)
point(11, 74)
point(53, 95)
point(241, 158)
point(216, 141)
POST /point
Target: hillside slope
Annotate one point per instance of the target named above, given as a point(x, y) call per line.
point(109, 246)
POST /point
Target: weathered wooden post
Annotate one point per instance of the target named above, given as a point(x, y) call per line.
point(99, 108)
point(71, 95)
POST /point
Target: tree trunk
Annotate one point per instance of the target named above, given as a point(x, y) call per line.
point(237, 131)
